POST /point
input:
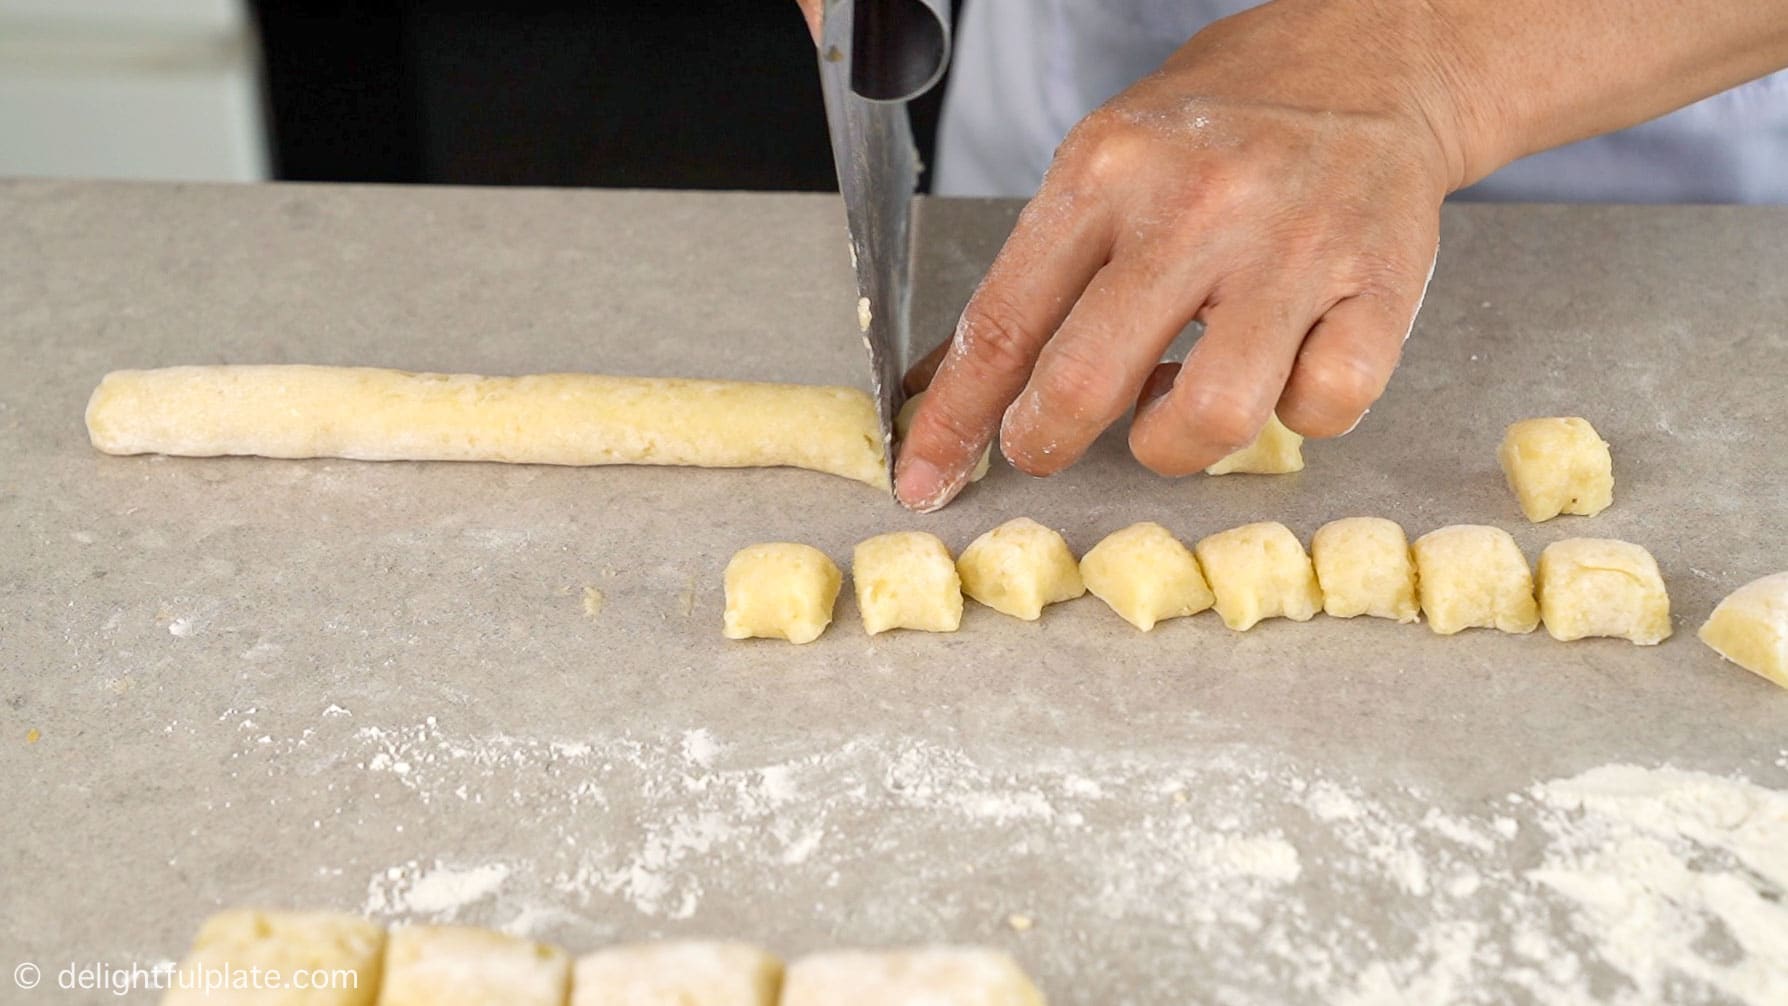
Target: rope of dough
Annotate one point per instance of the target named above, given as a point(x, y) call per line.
point(371, 414)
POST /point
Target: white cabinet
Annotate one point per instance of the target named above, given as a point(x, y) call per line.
point(164, 89)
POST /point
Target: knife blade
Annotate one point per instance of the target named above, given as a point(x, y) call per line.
point(874, 57)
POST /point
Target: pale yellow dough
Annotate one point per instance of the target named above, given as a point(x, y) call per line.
point(904, 420)
point(554, 419)
point(1557, 465)
point(1259, 571)
point(1276, 451)
point(780, 590)
point(1146, 575)
point(347, 948)
point(936, 976)
point(1750, 628)
point(685, 973)
point(462, 966)
point(1602, 587)
point(1364, 568)
point(906, 580)
point(1019, 568)
point(1474, 576)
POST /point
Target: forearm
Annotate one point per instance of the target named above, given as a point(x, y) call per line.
point(1528, 75)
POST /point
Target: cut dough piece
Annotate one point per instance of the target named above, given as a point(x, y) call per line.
point(905, 420)
point(1473, 576)
point(1259, 571)
point(1276, 451)
point(686, 973)
point(232, 942)
point(1364, 567)
point(907, 580)
point(1145, 575)
point(550, 419)
point(1602, 587)
point(1018, 568)
point(1750, 628)
point(463, 966)
point(1557, 465)
point(932, 976)
point(780, 590)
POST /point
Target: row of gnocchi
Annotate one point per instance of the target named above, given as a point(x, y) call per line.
point(323, 959)
point(1460, 577)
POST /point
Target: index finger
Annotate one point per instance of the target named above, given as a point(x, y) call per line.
point(1051, 255)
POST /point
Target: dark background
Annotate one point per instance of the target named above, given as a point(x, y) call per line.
point(713, 94)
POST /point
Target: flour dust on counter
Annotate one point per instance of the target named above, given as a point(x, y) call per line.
point(1622, 883)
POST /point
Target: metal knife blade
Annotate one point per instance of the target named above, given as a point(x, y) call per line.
point(874, 57)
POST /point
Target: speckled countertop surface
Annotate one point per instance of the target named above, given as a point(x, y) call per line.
point(379, 687)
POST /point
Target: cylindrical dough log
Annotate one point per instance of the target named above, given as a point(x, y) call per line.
point(371, 414)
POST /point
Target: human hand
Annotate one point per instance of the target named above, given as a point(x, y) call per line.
point(811, 10)
point(1279, 179)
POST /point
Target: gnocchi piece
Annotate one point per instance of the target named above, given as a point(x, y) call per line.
point(780, 590)
point(347, 947)
point(933, 976)
point(904, 419)
point(1602, 587)
point(1259, 571)
point(1474, 576)
point(463, 966)
point(1557, 465)
point(907, 580)
point(685, 973)
point(1276, 451)
point(1364, 568)
point(1019, 568)
point(1145, 575)
point(1750, 628)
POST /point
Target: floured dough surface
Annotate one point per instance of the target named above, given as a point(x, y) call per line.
point(1557, 465)
point(937, 976)
point(463, 966)
point(372, 414)
point(1750, 628)
point(1019, 568)
point(677, 973)
point(1474, 576)
point(906, 580)
point(1602, 587)
point(235, 941)
point(1145, 575)
point(780, 590)
point(1364, 568)
point(1275, 451)
point(1259, 571)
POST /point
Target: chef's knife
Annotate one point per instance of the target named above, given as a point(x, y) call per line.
point(874, 57)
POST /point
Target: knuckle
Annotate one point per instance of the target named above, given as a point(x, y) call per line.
point(1197, 426)
point(1220, 417)
point(991, 339)
point(951, 425)
point(1102, 149)
point(1326, 394)
point(1079, 386)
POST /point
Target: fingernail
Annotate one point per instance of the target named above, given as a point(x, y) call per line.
point(920, 485)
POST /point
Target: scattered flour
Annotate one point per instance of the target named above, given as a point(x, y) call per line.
point(1266, 878)
point(438, 890)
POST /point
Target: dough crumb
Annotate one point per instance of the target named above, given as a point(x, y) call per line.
point(593, 601)
point(1019, 922)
